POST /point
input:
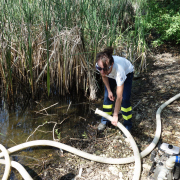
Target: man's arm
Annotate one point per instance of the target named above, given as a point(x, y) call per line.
point(106, 82)
point(119, 93)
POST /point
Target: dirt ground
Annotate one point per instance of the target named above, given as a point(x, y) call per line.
point(150, 90)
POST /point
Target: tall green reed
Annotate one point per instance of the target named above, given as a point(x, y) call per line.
point(58, 40)
point(47, 26)
point(6, 70)
point(28, 19)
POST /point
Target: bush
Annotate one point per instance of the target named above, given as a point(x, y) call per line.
point(164, 21)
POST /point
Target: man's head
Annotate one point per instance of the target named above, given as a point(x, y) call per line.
point(105, 61)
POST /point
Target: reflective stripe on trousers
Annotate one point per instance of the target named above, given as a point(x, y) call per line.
point(126, 108)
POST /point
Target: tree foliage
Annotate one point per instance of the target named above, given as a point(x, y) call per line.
point(164, 20)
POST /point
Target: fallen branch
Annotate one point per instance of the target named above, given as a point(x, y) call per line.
point(78, 139)
point(46, 108)
point(68, 107)
point(50, 122)
point(38, 128)
point(136, 104)
point(79, 175)
point(42, 106)
point(72, 105)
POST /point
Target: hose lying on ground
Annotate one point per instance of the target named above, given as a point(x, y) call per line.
point(158, 127)
point(66, 148)
point(7, 162)
point(137, 158)
point(98, 158)
point(157, 133)
point(84, 154)
point(19, 168)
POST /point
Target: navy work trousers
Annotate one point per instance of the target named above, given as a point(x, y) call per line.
point(126, 108)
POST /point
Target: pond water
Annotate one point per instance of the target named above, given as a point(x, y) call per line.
point(70, 115)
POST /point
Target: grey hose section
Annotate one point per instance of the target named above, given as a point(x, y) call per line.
point(73, 150)
point(158, 127)
point(137, 169)
point(98, 158)
point(7, 162)
point(19, 168)
point(157, 133)
point(66, 148)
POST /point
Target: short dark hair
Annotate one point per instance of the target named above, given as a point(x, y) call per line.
point(105, 56)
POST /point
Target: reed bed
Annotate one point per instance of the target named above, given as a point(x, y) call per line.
point(56, 41)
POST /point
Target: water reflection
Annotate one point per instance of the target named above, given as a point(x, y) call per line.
point(72, 116)
point(4, 120)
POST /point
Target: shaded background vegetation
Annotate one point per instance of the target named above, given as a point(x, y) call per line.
point(49, 46)
point(164, 21)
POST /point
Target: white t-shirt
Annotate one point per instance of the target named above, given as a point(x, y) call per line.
point(121, 68)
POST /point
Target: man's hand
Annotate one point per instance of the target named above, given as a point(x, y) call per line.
point(115, 120)
point(110, 96)
point(106, 82)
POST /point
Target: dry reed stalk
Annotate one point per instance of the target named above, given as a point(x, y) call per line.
point(71, 65)
point(65, 45)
